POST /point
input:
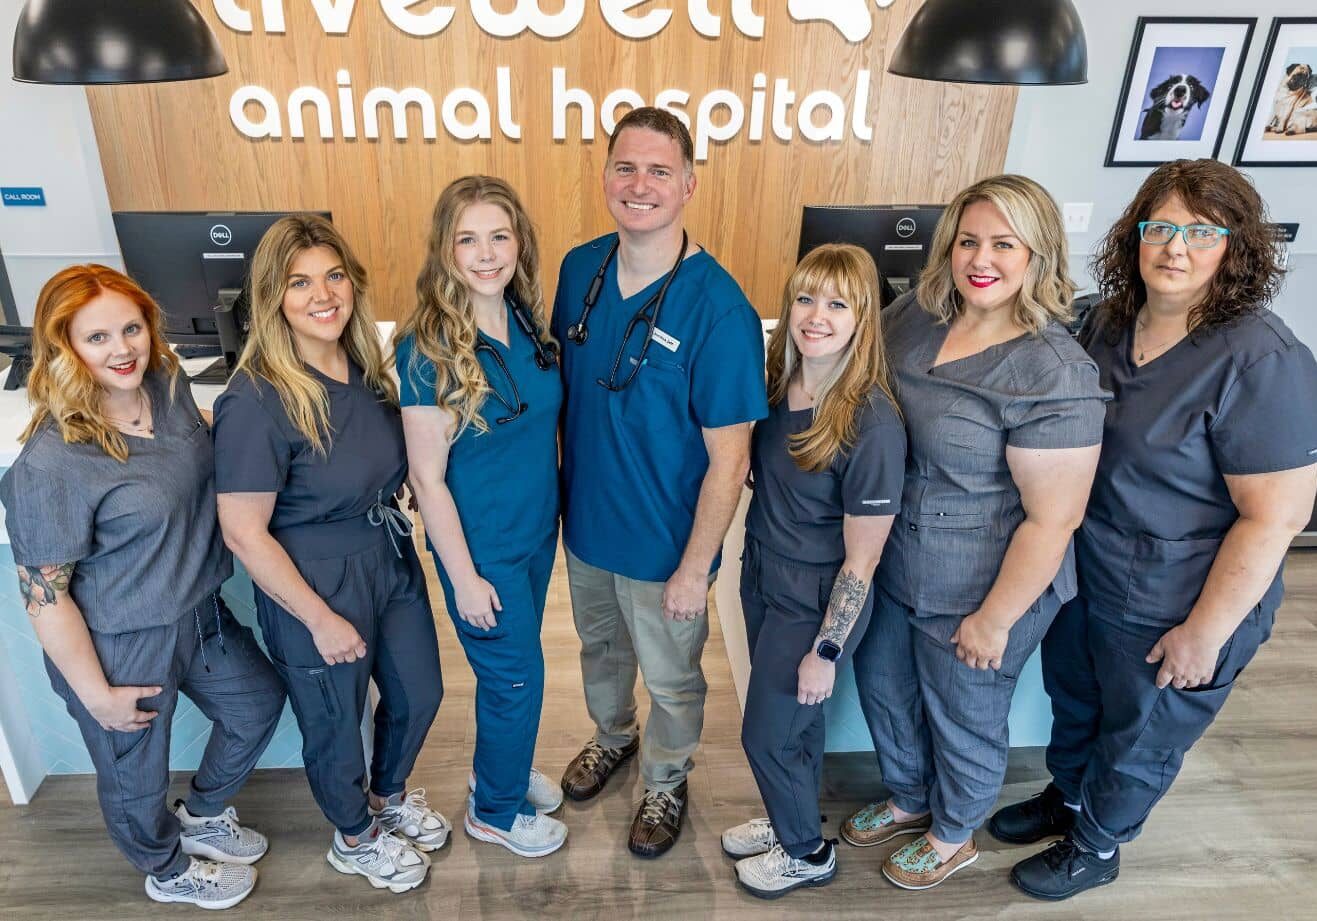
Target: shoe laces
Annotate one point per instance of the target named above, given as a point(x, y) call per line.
point(592, 754)
point(776, 862)
point(414, 806)
point(204, 873)
point(655, 806)
point(1062, 854)
point(761, 830)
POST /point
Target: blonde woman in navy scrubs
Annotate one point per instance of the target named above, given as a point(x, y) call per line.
point(1004, 414)
point(480, 395)
point(1208, 469)
point(828, 464)
point(111, 514)
point(309, 454)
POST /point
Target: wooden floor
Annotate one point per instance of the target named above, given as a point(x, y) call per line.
point(1236, 838)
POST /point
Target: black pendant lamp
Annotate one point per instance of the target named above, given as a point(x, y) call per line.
point(114, 41)
point(1039, 42)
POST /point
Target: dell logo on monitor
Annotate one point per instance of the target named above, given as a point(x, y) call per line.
point(905, 227)
point(222, 236)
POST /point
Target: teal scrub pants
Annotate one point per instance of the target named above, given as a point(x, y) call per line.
point(508, 662)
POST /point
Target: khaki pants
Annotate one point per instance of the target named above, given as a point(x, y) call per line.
point(621, 625)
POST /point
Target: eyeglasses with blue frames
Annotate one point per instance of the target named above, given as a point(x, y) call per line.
point(1195, 236)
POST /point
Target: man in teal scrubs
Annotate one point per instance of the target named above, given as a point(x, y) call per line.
point(663, 372)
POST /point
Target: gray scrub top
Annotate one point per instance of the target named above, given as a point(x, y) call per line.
point(1237, 399)
point(799, 513)
point(144, 534)
point(257, 449)
point(960, 505)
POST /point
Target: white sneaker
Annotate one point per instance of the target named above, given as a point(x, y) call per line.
point(206, 884)
point(219, 837)
point(542, 793)
point(748, 839)
point(414, 820)
point(386, 860)
point(530, 835)
point(773, 874)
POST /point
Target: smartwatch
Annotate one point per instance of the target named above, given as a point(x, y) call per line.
point(827, 650)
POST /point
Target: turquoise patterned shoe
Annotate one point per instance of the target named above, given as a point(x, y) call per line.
point(875, 824)
point(917, 865)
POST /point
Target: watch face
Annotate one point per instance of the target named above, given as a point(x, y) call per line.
point(828, 651)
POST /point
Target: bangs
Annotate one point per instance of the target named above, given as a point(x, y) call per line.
point(848, 268)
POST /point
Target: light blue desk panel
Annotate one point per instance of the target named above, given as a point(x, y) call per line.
point(54, 731)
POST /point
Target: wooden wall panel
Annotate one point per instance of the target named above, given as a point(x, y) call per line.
point(172, 146)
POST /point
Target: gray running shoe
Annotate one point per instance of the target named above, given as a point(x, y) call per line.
point(220, 837)
point(412, 819)
point(542, 793)
point(749, 839)
point(774, 873)
point(206, 884)
point(386, 860)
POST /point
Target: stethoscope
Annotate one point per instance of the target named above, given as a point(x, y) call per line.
point(578, 332)
point(546, 356)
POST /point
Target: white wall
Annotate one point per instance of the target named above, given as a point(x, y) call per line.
point(1060, 134)
point(49, 142)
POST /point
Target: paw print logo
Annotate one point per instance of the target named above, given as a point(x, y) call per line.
point(850, 17)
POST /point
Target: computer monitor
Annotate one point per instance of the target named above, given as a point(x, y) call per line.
point(896, 236)
point(195, 264)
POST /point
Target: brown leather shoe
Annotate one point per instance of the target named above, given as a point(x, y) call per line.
point(658, 822)
point(590, 770)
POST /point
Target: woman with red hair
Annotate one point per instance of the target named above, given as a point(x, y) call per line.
point(112, 519)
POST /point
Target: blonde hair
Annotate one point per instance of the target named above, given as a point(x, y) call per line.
point(271, 352)
point(862, 367)
point(60, 386)
point(444, 321)
point(1047, 292)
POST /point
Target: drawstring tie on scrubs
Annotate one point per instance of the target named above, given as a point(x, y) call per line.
point(395, 523)
point(219, 629)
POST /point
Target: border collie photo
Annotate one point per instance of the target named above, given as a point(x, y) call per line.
point(1294, 111)
point(1179, 91)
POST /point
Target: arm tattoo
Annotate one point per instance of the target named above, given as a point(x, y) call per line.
point(848, 595)
point(39, 585)
point(283, 603)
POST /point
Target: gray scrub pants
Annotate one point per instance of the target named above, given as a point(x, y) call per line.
point(1118, 741)
point(621, 625)
point(379, 588)
point(216, 662)
point(785, 602)
point(939, 726)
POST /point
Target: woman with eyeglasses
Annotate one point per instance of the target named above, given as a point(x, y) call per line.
point(308, 457)
point(1208, 470)
point(480, 396)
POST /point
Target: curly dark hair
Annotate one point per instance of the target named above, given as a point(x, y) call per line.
point(1249, 276)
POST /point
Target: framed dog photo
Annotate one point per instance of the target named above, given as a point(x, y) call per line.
point(1280, 128)
point(1179, 86)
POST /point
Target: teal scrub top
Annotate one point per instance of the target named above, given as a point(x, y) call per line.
point(504, 481)
point(634, 461)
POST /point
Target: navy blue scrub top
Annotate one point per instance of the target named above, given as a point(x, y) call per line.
point(504, 481)
point(1237, 399)
point(960, 505)
point(257, 449)
point(634, 461)
point(799, 513)
point(144, 533)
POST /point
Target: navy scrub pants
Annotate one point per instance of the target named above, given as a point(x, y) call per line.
point(939, 726)
point(1118, 741)
point(379, 588)
point(785, 602)
point(508, 662)
point(215, 661)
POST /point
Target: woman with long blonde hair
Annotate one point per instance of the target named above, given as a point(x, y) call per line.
point(827, 466)
point(111, 517)
point(309, 456)
point(1004, 414)
point(480, 396)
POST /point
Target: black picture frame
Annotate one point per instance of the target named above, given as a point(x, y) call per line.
point(1123, 150)
point(1263, 84)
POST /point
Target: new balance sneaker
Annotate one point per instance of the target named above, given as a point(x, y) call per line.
point(1063, 870)
point(411, 818)
point(542, 793)
point(774, 873)
point(386, 860)
point(219, 837)
point(530, 835)
point(749, 839)
point(206, 884)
